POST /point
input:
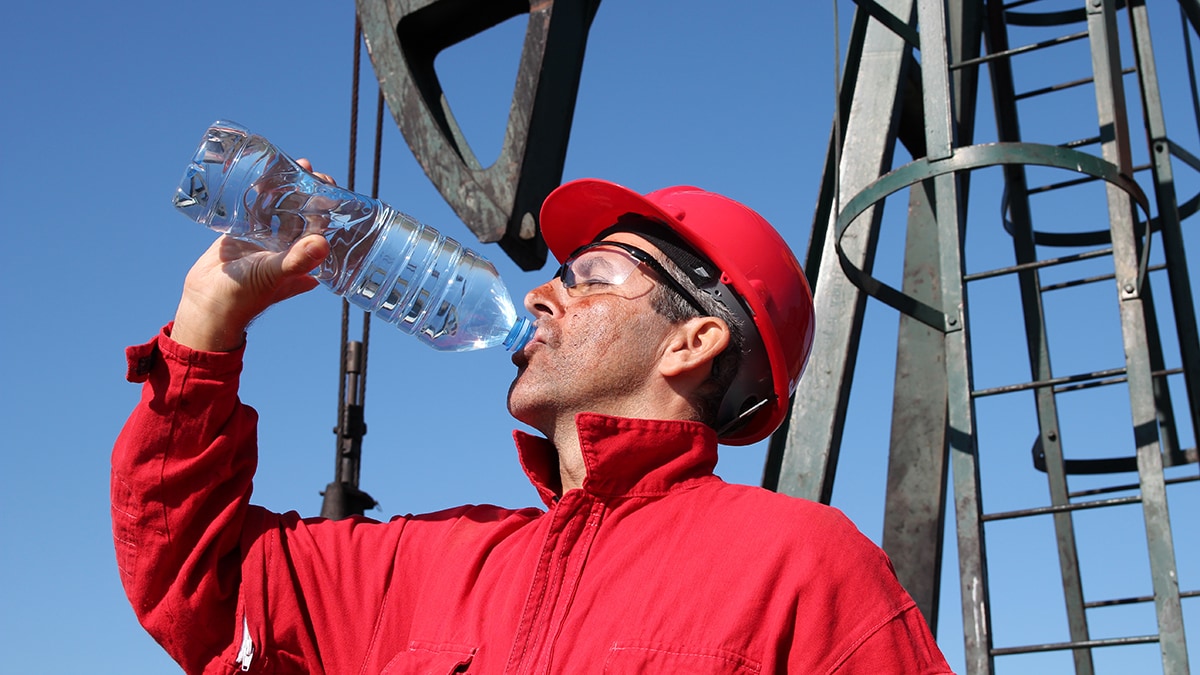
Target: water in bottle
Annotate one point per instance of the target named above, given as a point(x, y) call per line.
point(380, 260)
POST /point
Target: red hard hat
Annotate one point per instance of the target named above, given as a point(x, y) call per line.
point(753, 260)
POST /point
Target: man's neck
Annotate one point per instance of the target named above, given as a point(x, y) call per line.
point(571, 467)
point(565, 435)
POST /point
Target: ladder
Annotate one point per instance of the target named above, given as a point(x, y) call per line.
point(911, 74)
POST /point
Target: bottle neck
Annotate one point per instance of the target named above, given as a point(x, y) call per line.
point(520, 334)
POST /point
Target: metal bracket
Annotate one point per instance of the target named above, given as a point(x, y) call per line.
point(499, 203)
point(893, 23)
point(967, 159)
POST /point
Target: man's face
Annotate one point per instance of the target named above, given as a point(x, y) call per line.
point(591, 352)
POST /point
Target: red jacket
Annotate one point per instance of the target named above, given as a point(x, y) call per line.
point(654, 566)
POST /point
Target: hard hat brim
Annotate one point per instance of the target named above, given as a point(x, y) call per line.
point(576, 212)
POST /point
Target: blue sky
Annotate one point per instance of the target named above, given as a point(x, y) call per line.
point(102, 106)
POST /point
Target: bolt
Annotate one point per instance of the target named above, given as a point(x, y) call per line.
point(528, 227)
point(1128, 288)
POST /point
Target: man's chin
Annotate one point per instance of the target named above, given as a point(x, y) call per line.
point(515, 408)
point(522, 408)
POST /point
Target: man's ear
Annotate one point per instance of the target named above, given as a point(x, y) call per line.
point(693, 346)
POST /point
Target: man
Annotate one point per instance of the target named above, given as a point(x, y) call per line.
point(677, 318)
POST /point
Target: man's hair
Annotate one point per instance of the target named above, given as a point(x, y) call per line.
point(675, 309)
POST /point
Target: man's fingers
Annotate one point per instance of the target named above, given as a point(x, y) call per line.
point(305, 255)
point(307, 166)
point(295, 265)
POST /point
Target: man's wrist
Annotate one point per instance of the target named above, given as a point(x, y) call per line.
point(198, 330)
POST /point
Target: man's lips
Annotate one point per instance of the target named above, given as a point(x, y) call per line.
point(544, 334)
point(539, 339)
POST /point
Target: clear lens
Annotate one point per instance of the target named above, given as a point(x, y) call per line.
point(598, 270)
point(606, 267)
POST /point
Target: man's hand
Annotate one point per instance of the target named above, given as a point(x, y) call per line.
point(235, 281)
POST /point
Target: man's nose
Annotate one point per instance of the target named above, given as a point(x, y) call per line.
point(545, 300)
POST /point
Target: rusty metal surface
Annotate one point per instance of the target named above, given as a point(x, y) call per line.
point(1170, 214)
point(933, 402)
point(1024, 238)
point(499, 203)
point(915, 502)
point(343, 497)
point(1113, 118)
point(804, 450)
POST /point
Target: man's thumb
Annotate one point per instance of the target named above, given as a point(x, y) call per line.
point(305, 255)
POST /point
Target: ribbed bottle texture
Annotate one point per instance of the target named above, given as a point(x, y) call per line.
point(380, 260)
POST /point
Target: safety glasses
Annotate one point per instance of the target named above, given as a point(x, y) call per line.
point(605, 266)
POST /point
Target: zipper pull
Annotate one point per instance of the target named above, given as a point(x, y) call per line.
point(246, 651)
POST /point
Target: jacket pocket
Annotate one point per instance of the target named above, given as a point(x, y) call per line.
point(629, 658)
point(430, 658)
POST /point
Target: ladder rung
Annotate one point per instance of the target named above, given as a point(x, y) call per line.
point(1081, 143)
point(1131, 486)
point(1113, 380)
point(1091, 385)
point(1076, 181)
point(1091, 280)
point(1059, 508)
point(1052, 382)
point(1062, 260)
point(1099, 378)
point(1063, 184)
point(1080, 644)
point(1018, 50)
point(1063, 86)
point(1077, 282)
point(1133, 601)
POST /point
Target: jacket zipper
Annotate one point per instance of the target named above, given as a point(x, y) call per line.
point(246, 651)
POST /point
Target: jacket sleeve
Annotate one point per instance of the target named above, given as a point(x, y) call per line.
point(890, 635)
point(856, 618)
point(902, 645)
point(225, 586)
point(180, 483)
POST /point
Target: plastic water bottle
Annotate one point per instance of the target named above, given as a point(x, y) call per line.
point(380, 260)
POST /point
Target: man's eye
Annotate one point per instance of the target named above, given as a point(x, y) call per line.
point(591, 273)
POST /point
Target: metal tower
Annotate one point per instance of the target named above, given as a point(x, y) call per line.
point(1086, 164)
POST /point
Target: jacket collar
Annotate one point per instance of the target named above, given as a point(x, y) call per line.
point(624, 456)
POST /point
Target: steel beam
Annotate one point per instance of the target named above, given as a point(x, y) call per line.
point(805, 449)
point(1127, 259)
point(500, 202)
